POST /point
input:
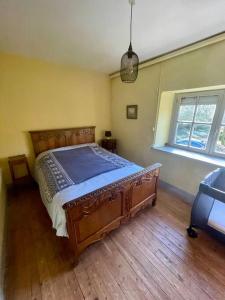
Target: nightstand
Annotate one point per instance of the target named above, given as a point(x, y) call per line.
point(109, 144)
point(20, 171)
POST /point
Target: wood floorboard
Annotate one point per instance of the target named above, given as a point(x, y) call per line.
point(172, 259)
point(175, 280)
point(187, 261)
point(175, 228)
point(150, 257)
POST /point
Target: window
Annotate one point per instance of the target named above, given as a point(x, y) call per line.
point(198, 122)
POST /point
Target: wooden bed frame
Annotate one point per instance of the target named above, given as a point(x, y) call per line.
point(92, 216)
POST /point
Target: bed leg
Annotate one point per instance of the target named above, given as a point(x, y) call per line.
point(75, 261)
point(191, 232)
point(154, 202)
point(156, 191)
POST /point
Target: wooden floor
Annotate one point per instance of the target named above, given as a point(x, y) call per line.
point(149, 258)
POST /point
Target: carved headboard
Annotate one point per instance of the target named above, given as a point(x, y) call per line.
point(44, 140)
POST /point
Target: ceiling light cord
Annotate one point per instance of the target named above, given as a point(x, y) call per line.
point(131, 19)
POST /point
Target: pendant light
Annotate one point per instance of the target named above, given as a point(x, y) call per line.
point(130, 60)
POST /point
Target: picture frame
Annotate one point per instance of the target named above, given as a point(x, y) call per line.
point(132, 112)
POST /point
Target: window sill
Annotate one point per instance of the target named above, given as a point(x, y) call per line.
point(216, 161)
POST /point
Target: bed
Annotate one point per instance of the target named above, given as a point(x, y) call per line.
point(87, 190)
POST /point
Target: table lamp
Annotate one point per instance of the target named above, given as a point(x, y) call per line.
point(108, 134)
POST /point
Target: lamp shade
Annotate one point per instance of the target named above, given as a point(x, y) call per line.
point(108, 133)
point(129, 66)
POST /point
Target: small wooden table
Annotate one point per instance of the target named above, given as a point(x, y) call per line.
point(109, 144)
point(17, 179)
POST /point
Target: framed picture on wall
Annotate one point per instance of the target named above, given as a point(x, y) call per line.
point(132, 111)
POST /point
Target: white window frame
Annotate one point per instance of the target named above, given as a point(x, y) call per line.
point(216, 123)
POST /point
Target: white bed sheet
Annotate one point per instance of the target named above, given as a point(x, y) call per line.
point(54, 207)
point(217, 216)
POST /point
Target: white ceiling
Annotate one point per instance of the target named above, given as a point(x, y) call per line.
point(95, 33)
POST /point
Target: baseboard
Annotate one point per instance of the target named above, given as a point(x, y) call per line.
point(187, 197)
point(3, 256)
point(4, 212)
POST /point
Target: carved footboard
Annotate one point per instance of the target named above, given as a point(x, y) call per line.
point(92, 216)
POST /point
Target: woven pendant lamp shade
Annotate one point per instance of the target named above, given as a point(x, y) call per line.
point(130, 60)
point(129, 66)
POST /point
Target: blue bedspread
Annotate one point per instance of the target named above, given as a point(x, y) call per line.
point(67, 167)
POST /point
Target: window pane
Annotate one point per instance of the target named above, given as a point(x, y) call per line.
point(182, 134)
point(186, 113)
point(223, 121)
point(220, 144)
point(205, 113)
point(188, 100)
point(208, 99)
point(199, 137)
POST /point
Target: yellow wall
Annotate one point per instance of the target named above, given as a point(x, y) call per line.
point(39, 95)
point(200, 68)
point(164, 115)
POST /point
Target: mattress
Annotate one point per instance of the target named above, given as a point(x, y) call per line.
point(217, 216)
point(59, 183)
